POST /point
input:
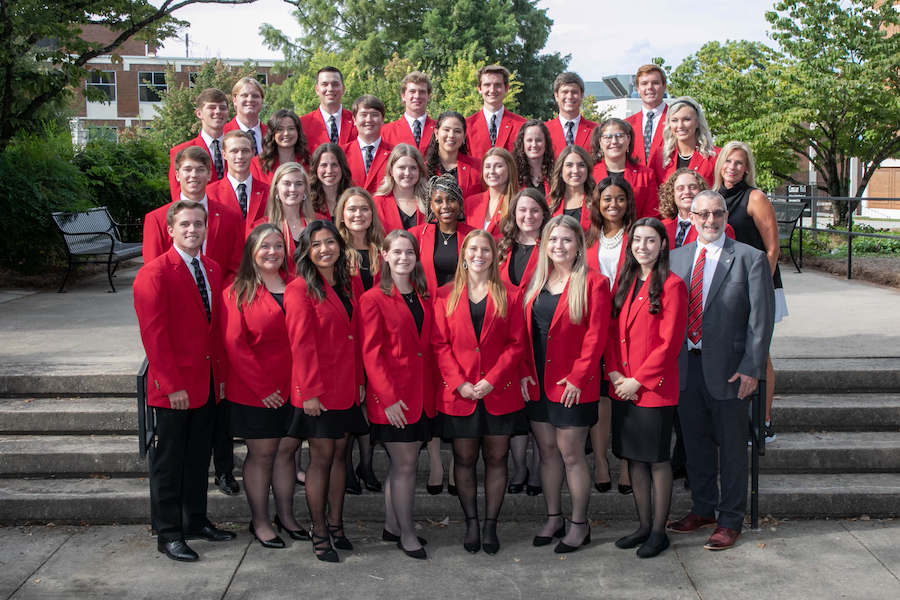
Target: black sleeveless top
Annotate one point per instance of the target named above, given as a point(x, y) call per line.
point(736, 200)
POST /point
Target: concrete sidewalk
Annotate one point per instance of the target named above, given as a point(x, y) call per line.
point(789, 559)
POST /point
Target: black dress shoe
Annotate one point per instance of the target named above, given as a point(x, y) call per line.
point(632, 540)
point(546, 540)
point(625, 489)
point(338, 541)
point(227, 484)
point(419, 553)
point(516, 488)
point(368, 478)
point(352, 485)
point(275, 542)
point(434, 490)
point(603, 486)
point(210, 533)
point(656, 543)
point(678, 473)
point(451, 489)
point(177, 550)
point(533, 490)
point(295, 534)
point(564, 548)
point(387, 536)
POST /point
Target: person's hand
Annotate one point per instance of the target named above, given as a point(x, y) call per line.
point(627, 388)
point(313, 407)
point(524, 383)
point(273, 400)
point(571, 395)
point(179, 400)
point(483, 388)
point(362, 394)
point(748, 384)
point(615, 377)
point(467, 390)
point(395, 414)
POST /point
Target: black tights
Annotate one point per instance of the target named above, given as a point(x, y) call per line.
point(400, 492)
point(655, 478)
point(326, 477)
point(270, 463)
point(494, 450)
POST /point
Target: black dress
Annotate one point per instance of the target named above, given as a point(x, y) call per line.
point(446, 255)
point(575, 213)
point(365, 268)
point(518, 262)
point(408, 221)
point(544, 411)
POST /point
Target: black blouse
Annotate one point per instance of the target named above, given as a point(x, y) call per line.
point(521, 254)
point(446, 255)
point(415, 307)
point(344, 300)
point(476, 311)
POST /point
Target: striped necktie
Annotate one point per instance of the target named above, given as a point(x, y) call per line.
point(695, 299)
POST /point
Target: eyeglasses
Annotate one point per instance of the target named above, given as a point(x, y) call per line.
point(704, 214)
point(608, 137)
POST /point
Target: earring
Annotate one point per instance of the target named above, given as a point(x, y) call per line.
point(465, 266)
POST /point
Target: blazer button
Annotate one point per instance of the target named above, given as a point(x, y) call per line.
point(350, 337)
point(418, 354)
point(207, 357)
point(482, 372)
point(623, 340)
point(625, 363)
point(477, 349)
point(548, 361)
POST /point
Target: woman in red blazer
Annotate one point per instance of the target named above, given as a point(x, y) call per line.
point(259, 382)
point(289, 207)
point(646, 334)
point(612, 145)
point(396, 329)
point(329, 176)
point(687, 142)
point(534, 155)
point(567, 309)
point(448, 153)
point(675, 197)
point(571, 185)
point(479, 341)
point(402, 197)
point(485, 210)
point(326, 375)
point(282, 143)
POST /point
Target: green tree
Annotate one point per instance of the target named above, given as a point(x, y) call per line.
point(458, 87)
point(43, 58)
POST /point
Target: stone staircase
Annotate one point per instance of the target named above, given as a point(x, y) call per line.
point(68, 452)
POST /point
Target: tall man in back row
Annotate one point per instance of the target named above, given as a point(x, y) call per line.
point(649, 122)
point(570, 127)
point(731, 307)
point(211, 107)
point(330, 122)
point(493, 125)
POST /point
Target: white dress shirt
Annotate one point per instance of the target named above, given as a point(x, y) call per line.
point(337, 119)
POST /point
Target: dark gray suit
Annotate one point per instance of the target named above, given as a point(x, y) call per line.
point(738, 318)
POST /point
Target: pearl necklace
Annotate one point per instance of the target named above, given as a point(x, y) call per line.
point(612, 242)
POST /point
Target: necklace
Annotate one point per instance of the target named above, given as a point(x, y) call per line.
point(446, 238)
point(683, 157)
point(612, 242)
point(410, 297)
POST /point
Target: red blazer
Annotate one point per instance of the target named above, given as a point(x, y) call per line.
point(637, 124)
point(232, 125)
point(593, 260)
point(468, 175)
point(316, 131)
point(585, 219)
point(224, 235)
point(258, 349)
point(371, 180)
point(181, 345)
point(495, 356)
point(398, 359)
point(327, 363)
point(671, 226)
point(399, 132)
point(257, 197)
point(646, 347)
point(478, 138)
point(476, 213)
point(706, 166)
point(643, 182)
point(390, 214)
point(174, 186)
point(530, 268)
point(424, 235)
point(574, 350)
point(582, 135)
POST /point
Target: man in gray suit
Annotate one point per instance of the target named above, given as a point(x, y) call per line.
point(730, 320)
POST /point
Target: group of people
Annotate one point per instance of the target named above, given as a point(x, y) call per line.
point(484, 281)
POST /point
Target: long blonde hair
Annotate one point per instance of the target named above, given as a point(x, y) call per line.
point(749, 174)
point(374, 234)
point(495, 285)
point(247, 280)
point(705, 144)
point(421, 189)
point(512, 182)
point(578, 299)
point(274, 209)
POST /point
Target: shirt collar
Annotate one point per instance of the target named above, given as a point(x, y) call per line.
point(488, 114)
point(235, 182)
point(362, 144)
point(576, 120)
point(188, 259)
point(410, 119)
point(657, 110)
point(326, 115)
point(713, 248)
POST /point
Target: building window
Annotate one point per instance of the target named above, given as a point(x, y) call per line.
point(103, 81)
point(150, 83)
point(192, 78)
point(263, 78)
point(102, 132)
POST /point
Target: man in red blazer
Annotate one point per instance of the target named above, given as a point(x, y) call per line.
point(212, 110)
point(493, 125)
point(367, 155)
point(247, 96)
point(238, 188)
point(415, 91)
point(650, 81)
point(570, 127)
point(330, 122)
point(177, 298)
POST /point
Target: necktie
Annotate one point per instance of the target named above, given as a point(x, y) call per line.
point(695, 299)
point(253, 137)
point(201, 285)
point(332, 129)
point(648, 135)
point(417, 131)
point(683, 226)
point(370, 154)
point(493, 131)
point(570, 133)
point(242, 197)
point(217, 159)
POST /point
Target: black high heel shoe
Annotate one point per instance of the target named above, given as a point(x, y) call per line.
point(340, 541)
point(473, 547)
point(352, 485)
point(516, 488)
point(625, 489)
point(275, 542)
point(604, 486)
point(436, 489)
point(322, 548)
point(490, 547)
point(295, 534)
point(564, 548)
point(546, 540)
point(367, 476)
point(533, 490)
point(419, 553)
point(387, 536)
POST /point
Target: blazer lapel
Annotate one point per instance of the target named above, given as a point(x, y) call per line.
point(332, 298)
point(503, 131)
point(726, 260)
point(639, 302)
point(490, 312)
point(561, 305)
point(187, 274)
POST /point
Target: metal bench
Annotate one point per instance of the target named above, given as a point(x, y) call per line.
point(788, 214)
point(93, 237)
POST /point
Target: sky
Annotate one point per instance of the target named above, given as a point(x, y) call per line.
point(614, 40)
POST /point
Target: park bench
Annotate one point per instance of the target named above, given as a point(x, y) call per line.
point(788, 214)
point(92, 236)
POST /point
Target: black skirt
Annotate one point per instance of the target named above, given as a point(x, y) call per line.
point(420, 431)
point(642, 433)
point(481, 423)
point(258, 422)
point(332, 424)
point(578, 415)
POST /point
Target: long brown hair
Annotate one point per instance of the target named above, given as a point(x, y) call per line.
point(416, 278)
point(509, 229)
point(388, 183)
point(270, 148)
point(495, 285)
point(632, 268)
point(558, 186)
point(526, 177)
point(248, 280)
point(274, 209)
point(374, 234)
point(316, 190)
point(512, 181)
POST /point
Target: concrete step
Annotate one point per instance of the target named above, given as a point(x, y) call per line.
point(68, 415)
point(86, 384)
point(128, 500)
point(833, 452)
point(835, 375)
point(837, 412)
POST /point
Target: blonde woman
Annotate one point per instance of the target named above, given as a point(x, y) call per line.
point(402, 198)
point(687, 142)
point(487, 209)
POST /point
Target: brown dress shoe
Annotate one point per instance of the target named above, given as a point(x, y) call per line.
point(722, 539)
point(689, 523)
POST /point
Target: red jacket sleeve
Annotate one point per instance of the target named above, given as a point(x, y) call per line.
point(672, 325)
point(152, 307)
point(507, 366)
point(587, 365)
point(448, 366)
point(303, 326)
point(242, 359)
point(383, 380)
